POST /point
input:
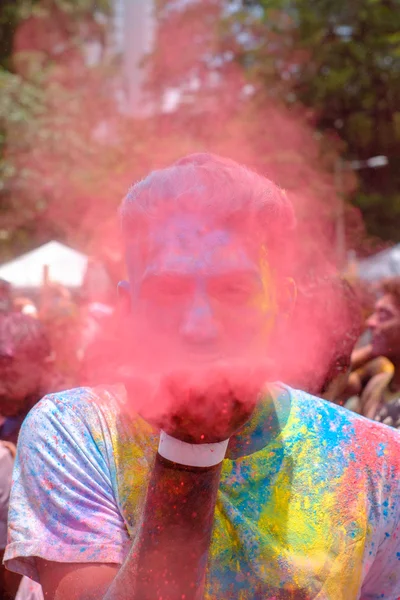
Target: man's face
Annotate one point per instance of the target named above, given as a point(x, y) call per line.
point(384, 324)
point(199, 297)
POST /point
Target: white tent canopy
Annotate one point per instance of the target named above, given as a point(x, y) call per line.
point(381, 265)
point(65, 266)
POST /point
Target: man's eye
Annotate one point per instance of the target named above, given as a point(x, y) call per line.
point(233, 293)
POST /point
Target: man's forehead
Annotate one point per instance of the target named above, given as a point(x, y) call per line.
point(188, 243)
point(186, 232)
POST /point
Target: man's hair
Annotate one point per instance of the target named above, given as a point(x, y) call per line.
point(225, 192)
point(22, 334)
point(391, 286)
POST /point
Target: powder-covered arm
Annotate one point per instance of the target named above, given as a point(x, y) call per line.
point(170, 557)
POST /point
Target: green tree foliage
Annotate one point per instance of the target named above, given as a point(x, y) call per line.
point(68, 155)
point(44, 85)
point(342, 59)
point(15, 12)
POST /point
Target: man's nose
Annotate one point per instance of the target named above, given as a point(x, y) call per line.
point(199, 325)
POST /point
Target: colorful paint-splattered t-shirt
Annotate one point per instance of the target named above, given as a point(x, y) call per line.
point(308, 505)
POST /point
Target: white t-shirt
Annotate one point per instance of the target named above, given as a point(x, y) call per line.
point(308, 506)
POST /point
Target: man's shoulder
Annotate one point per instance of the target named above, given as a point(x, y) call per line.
point(81, 409)
point(318, 408)
point(347, 427)
point(82, 400)
point(100, 413)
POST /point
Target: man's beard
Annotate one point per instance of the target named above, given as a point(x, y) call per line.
point(200, 403)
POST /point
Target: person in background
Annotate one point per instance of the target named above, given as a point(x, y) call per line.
point(26, 306)
point(24, 370)
point(99, 330)
point(198, 477)
point(8, 303)
point(24, 352)
point(374, 383)
point(5, 296)
point(59, 313)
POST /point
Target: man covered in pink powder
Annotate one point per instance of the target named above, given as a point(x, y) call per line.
point(197, 478)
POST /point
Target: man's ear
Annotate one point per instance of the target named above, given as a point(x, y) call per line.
point(124, 298)
point(287, 296)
